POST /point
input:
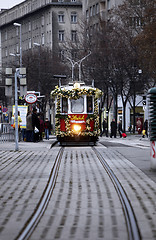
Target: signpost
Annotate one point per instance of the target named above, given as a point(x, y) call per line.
point(4, 109)
point(31, 98)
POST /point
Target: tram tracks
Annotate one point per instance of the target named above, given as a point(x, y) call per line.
point(32, 222)
point(132, 225)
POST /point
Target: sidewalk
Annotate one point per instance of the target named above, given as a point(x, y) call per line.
point(135, 149)
point(45, 144)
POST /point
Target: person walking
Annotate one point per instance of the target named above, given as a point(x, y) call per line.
point(104, 125)
point(47, 127)
point(145, 129)
point(113, 128)
point(29, 127)
point(35, 125)
point(120, 129)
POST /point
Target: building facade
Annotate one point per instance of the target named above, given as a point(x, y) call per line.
point(48, 23)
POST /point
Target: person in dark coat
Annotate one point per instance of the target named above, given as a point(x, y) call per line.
point(104, 124)
point(29, 127)
point(113, 128)
point(41, 128)
point(120, 129)
point(47, 127)
point(35, 124)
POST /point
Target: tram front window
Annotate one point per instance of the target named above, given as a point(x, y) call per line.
point(77, 106)
point(89, 104)
point(64, 105)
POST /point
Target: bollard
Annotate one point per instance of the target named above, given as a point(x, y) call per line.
point(152, 125)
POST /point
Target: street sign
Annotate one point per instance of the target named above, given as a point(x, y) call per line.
point(31, 98)
point(4, 109)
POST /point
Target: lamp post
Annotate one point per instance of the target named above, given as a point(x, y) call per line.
point(39, 64)
point(16, 113)
point(79, 64)
point(73, 63)
point(20, 26)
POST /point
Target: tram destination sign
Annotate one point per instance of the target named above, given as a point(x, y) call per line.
point(31, 98)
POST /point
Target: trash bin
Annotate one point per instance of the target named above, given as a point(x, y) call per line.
point(152, 125)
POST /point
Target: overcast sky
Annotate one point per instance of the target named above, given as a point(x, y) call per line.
point(9, 3)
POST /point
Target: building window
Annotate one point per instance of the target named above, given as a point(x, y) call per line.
point(73, 36)
point(17, 48)
point(42, 21)
point(73, 0)
point(42, 40)
point(91, 11)
point(61, 17)
point(6, 52)
point(29, 26)
point(108, 5)
point(94, 10)
point(29, 43)
point(61, 35)
point(136, 21)
point(73, 17)
point(6, 35)
point(97, 8)
point(87, 14)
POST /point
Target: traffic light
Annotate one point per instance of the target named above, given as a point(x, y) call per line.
point(0, 109)
point(21, 101)
point(144, 101)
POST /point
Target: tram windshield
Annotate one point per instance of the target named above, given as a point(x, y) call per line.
point(77, 106)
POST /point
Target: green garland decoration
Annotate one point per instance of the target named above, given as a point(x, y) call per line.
point(76, 93)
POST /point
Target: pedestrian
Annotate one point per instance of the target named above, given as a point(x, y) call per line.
point(113, 128)
point(41, 128)
point(104, 125)
point(47, 127)
point(130, 128)
point(29, 127)
point(36, 125)
point(145, 129)
point(120, 129)
point(19, 128)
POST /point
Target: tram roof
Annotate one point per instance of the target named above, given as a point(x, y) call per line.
point(80, 85)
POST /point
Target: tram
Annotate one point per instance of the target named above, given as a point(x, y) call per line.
point(76, 113)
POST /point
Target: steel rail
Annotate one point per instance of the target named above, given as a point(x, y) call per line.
point(32, 222)
point(132, 225)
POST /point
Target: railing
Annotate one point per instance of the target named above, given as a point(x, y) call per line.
point(7, 133)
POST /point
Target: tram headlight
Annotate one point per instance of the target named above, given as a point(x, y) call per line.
point(76, 128)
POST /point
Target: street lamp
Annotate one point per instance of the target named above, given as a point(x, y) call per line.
point(20, 26)
point(73, 63)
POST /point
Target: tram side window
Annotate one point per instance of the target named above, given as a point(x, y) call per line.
point(64, 105)
point(89, 104)
point(77, 106)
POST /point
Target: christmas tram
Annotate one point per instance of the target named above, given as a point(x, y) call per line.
point(76, 113)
